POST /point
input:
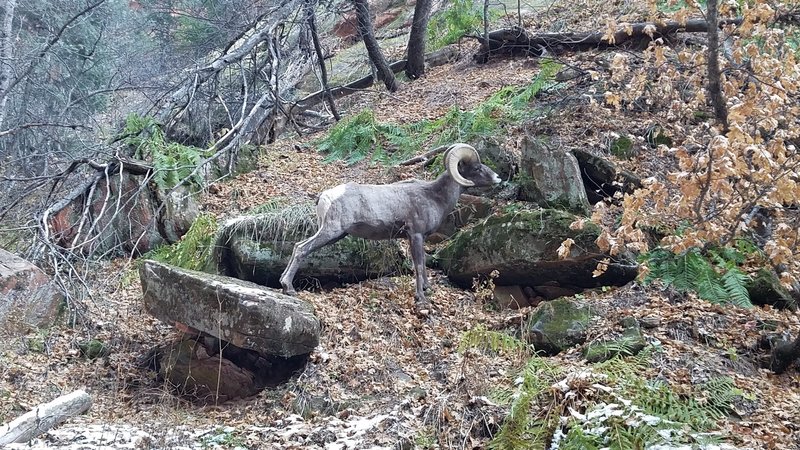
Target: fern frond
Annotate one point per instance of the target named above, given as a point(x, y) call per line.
point(735, 282)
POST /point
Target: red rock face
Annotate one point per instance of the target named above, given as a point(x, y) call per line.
point(122, 214)
point(28, 298)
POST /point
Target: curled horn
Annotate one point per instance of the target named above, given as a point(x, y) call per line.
point(456, 154)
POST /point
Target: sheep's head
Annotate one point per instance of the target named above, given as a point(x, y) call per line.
point(464, 165)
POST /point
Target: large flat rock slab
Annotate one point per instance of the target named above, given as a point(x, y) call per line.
point(240, 312)
point(28, 297)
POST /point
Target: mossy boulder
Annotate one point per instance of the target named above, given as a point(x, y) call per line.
point(522, 246)
point(765, 289)
point(257, 248)
point(558, 325)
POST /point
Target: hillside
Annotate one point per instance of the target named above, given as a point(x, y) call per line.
point(386, 377)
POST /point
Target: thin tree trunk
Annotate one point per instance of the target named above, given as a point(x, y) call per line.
point(714, 84)
point(6, 53)
point(385, 73)
point(323, 72)
point(415, 67)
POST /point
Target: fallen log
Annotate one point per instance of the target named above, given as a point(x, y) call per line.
point(517, 41)
point(44, 417)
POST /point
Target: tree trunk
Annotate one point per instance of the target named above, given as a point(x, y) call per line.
point(6, 51)
point(365, 28)
point(415, 67)
point(323, 72)
point(44, 417)
point(714, 89)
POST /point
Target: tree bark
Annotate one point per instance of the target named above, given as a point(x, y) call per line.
point(6, 53)
point(44, 417)
point(415, 67)
point(714, 83)
point(365, 28)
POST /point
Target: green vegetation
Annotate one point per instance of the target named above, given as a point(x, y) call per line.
point(223, 437)
point(610, 405)
point(494, 341)
point(460, 18)
point(715, 275)
point(193, 251)
point(361, 137)
point(173, 163)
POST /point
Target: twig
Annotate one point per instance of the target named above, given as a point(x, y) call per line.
point(425, 156)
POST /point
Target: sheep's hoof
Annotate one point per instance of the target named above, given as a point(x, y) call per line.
point(290, 292)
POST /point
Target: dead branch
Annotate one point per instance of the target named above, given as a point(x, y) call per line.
point(425, 157)
point(44, 417)
point(517, 41)
point(714, 86)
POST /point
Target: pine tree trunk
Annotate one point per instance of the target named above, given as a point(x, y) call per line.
point(365, 28)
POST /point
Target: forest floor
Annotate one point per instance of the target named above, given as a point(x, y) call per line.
point(382, 376)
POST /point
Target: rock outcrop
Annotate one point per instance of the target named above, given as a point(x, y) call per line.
point(241, 313)
point(522, 246)
point(551, 177)
point(29, 298)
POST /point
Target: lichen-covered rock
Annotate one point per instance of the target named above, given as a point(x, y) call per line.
point(179, 212)
point(522, 246)
point(558, 325)
point(257, 248)
point(242, 313)
point(28, 297)
point(551, 177)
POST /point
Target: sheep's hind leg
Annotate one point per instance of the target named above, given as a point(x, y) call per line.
point(303, 249)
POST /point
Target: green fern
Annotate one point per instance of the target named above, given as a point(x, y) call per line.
point(613, 405)
point(173, 163)
point(194, 249)
point(716, 277)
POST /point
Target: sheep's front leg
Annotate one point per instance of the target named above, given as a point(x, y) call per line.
point(303, 249)
point(418, 258)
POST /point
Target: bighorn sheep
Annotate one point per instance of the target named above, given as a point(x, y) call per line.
point(412, 208)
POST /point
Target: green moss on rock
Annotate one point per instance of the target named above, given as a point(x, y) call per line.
point(522, 246)
point(558, 324)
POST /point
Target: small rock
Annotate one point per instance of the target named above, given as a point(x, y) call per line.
point(510, 297)
point(650, 322)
